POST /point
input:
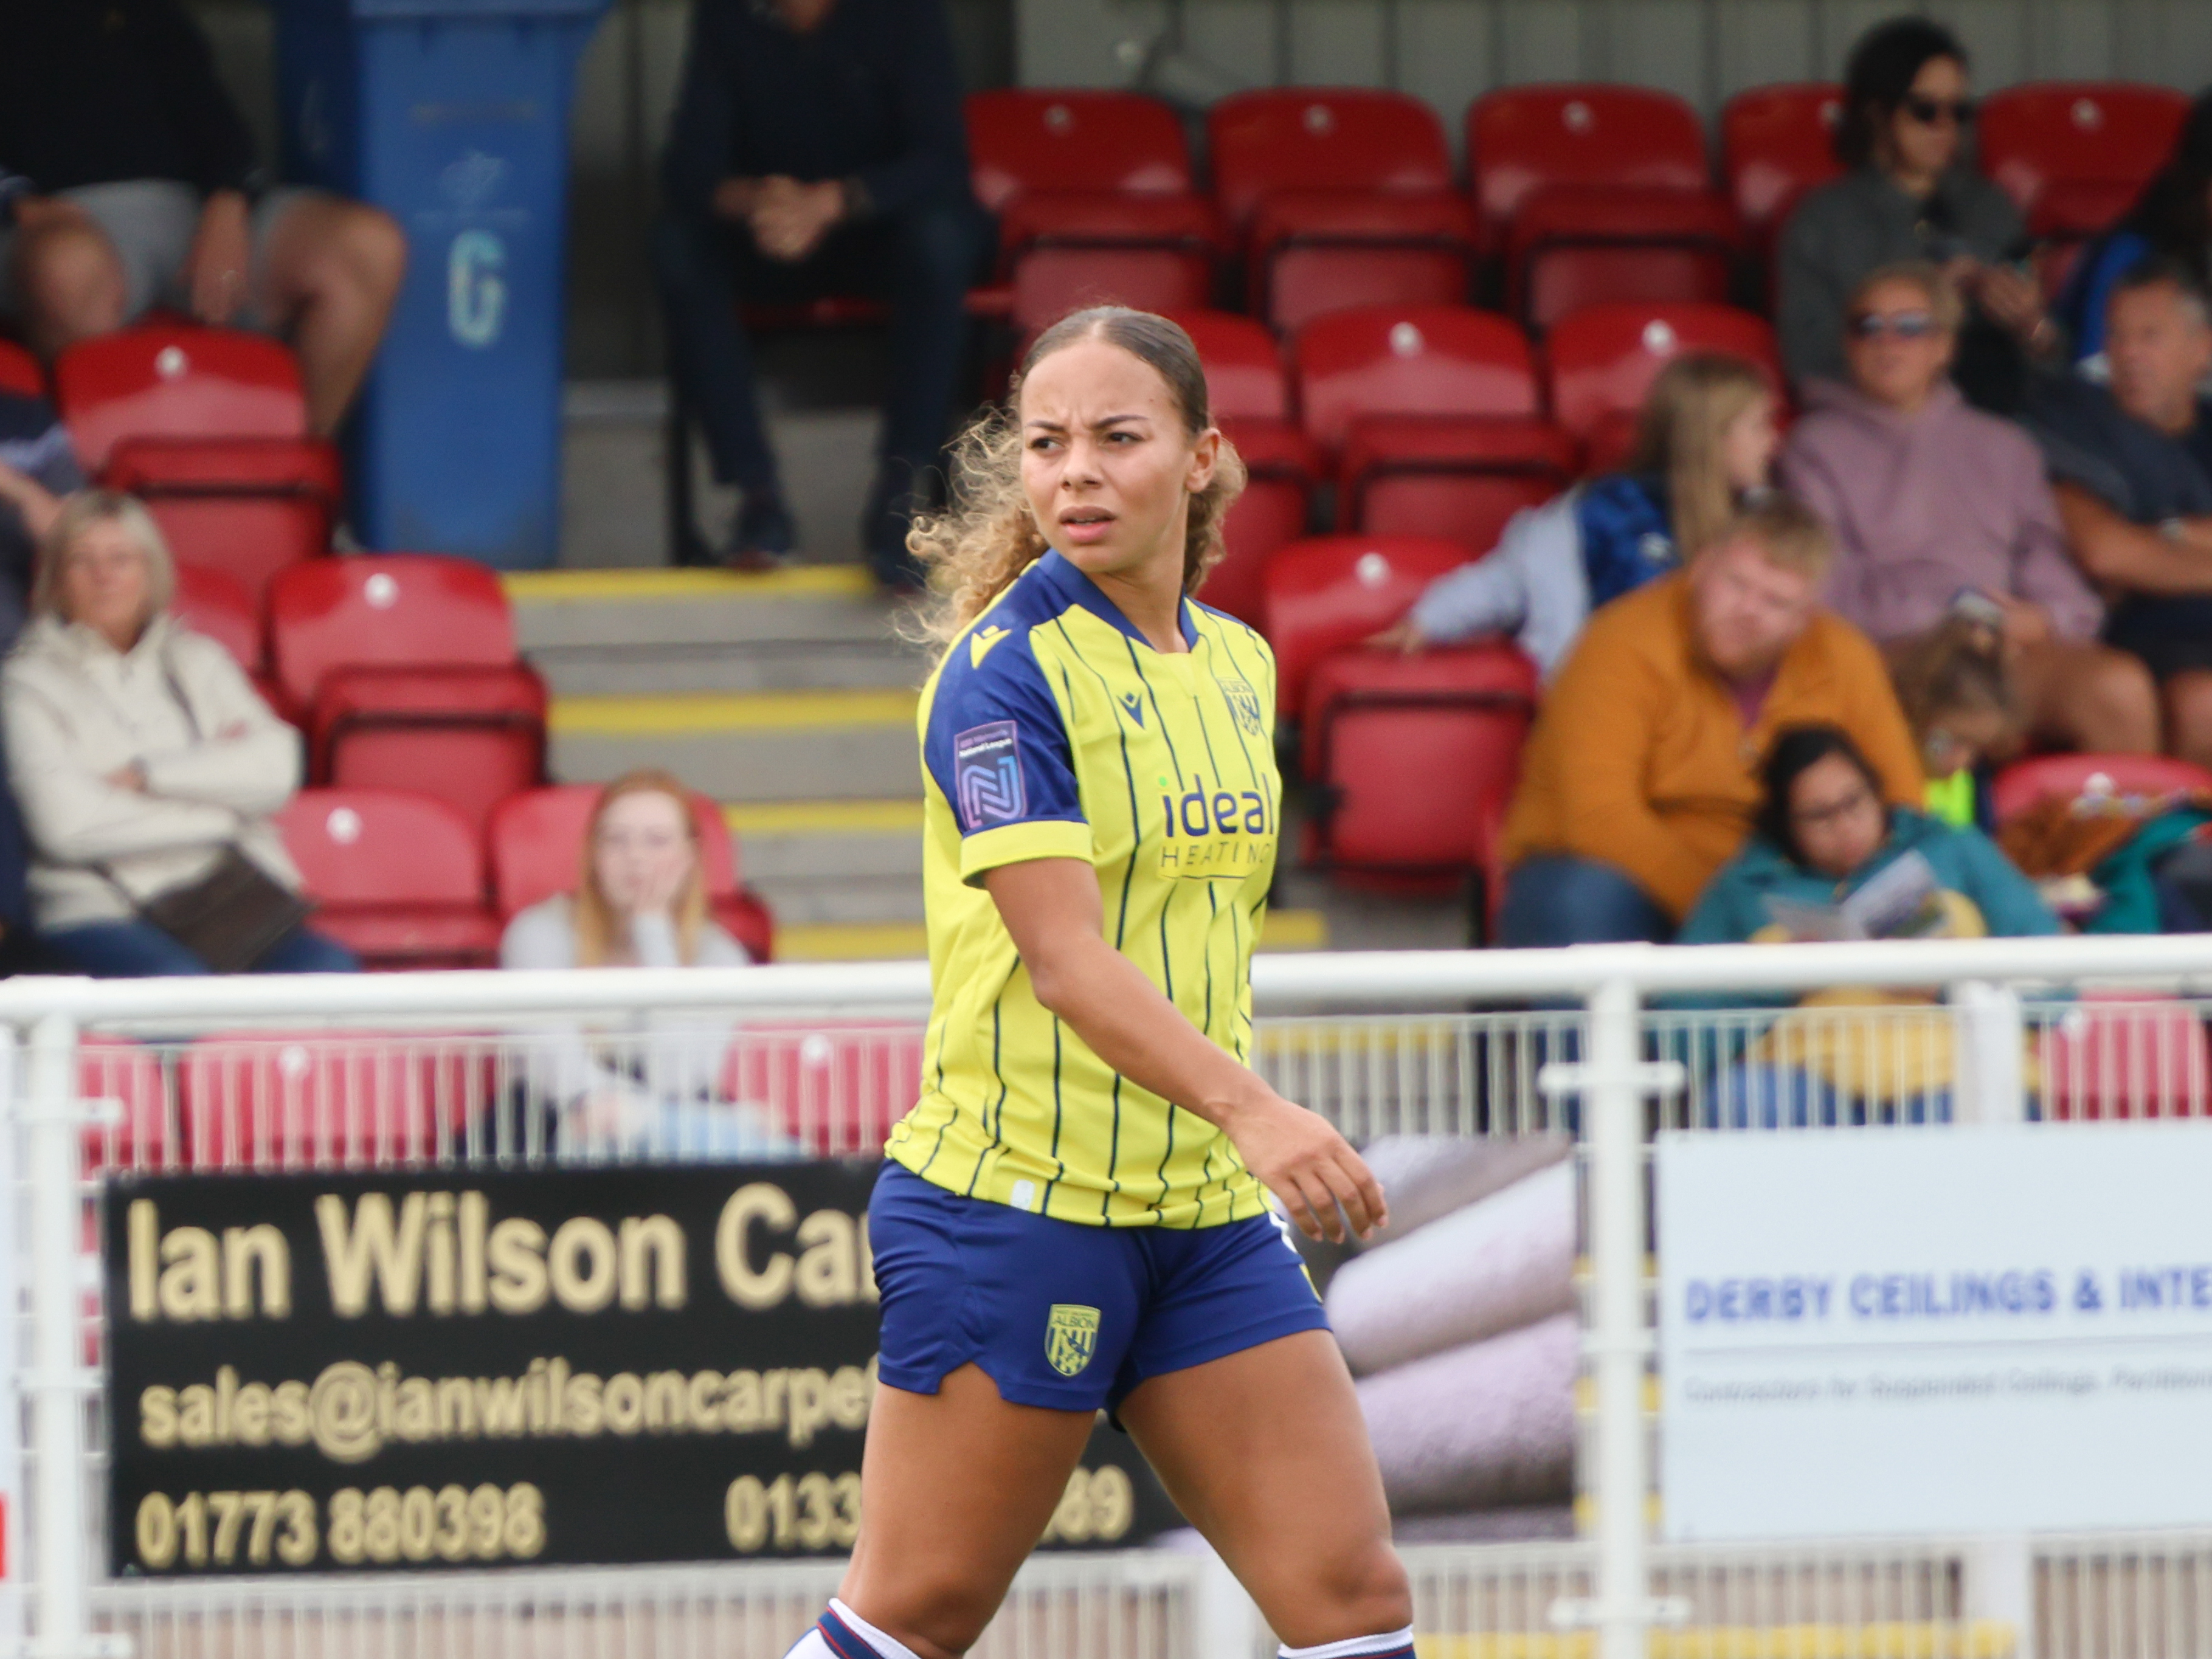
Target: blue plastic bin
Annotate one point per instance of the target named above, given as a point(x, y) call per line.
point(452, 115)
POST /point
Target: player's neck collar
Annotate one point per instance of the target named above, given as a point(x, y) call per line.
point(1071, 585)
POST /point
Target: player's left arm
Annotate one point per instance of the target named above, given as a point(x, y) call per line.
point(1052, 909)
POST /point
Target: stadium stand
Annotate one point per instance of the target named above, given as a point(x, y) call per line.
point(404, 668)
point(19, 372)
point(396, 876)
point(535, 846)
point(1777, 142)
point(216, 604)
point(2022, 784)
point(1412, 359)
point(264, 1100)
point(177, 381)
point(247, 507)
point(2048, 133)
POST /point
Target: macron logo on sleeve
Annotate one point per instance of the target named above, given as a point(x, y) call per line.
point(986, 775)
point(980, 644)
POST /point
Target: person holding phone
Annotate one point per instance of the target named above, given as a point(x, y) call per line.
point(1911, 195)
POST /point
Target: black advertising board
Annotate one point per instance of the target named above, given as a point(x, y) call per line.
point(432, 1369)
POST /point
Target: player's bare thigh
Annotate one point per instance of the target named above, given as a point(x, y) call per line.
point(1266, 1453)
point(955, 1489)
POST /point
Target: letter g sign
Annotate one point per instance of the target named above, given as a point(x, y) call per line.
point(476, 293)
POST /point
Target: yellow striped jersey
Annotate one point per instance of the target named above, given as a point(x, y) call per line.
point(1052, 729)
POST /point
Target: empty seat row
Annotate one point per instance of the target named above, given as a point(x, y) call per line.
point(1338, 196)
point(1433, 420)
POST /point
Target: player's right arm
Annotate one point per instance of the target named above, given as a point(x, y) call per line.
point(1051, 908)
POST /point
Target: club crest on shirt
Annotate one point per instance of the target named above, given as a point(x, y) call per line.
point(986, 775)
point(1244, 703)
point(1071, 1337)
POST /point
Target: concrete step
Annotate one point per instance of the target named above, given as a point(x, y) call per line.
point(853, 745)
point(796, 841)
point(810, 900)
point(650, 670)
point(566, 609)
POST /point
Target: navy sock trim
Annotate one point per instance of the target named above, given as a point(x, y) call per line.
point(845, 1644)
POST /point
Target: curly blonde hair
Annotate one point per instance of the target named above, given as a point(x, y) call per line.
point(975, 548)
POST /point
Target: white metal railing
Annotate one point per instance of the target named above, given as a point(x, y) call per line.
point(256, 1073)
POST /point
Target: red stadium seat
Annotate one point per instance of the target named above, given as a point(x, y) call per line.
point(170, 380)
point(835, 1089)
point(1248, 394)
point(213, 602)
point(1410, 753)
point(1777, 142)
point(397, 877)
point(1571, 246)
point(130, 1074)
point(250, 507)
point(1334, 139)
point(1064, 251)
point(1331, 592)
point(1282, 464)
point(1601, 361)
point(2022, 784)
point(536, 844)
point(1413, 359)
point(1343, 197)
point(288, 1099)
point(406, 664)
point(1521, 139)
point(2039, 134)
point(2126, 1055)
point(1457, 478)
point(1023, 140)
point(19, 372)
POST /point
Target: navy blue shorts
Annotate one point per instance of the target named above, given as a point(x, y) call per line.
point(1065, 1315)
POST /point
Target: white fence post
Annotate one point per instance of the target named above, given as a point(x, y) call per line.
point(47, 1107)
point(1229, 1625)
point(1992, 1086)
point(1614, 1083)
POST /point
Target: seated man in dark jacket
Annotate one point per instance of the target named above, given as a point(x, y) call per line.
point(818, 149)
point(128, 180)
point(38, 468)
point(2132, 467)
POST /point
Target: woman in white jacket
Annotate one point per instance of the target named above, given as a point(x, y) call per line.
point(140, 753)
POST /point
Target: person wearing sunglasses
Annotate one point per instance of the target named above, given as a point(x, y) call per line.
point(1909, 194)
point(1929, 499)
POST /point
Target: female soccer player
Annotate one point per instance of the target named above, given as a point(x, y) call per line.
point(1074, 1215)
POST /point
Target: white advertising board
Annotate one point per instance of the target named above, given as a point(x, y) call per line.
point(1999, 1329)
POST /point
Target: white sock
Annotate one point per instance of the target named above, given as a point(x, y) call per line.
point(1398, 1645)
point(843, 1634)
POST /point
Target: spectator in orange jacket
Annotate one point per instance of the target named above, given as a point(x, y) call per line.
point(1640, 778)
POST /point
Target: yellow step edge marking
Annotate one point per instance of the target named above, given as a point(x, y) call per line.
point(822, 817)
point(730, 711)
point(1979, 1638)
point(852, 941)
point(1294, 930)
point(578, 587)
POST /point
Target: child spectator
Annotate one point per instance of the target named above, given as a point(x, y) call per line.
point(1952, 683)
point(640, 901)
point(1707, 440)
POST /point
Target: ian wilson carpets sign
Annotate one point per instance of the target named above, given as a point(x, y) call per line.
point(1939, 1329)
point(321, 1372)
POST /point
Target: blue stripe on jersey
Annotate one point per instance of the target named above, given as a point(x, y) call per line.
point(842, 1640)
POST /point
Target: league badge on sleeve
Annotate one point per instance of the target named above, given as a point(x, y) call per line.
point(986, 775)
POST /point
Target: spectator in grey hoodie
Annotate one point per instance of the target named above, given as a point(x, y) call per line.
point(1929, 499)
point(1911, 195)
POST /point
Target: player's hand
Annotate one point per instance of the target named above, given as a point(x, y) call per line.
point(1302, 1159)
point(222, 250)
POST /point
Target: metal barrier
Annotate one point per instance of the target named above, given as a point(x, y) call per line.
point(464, 1069)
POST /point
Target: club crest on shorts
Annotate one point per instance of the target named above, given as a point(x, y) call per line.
point(1071, 1337)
